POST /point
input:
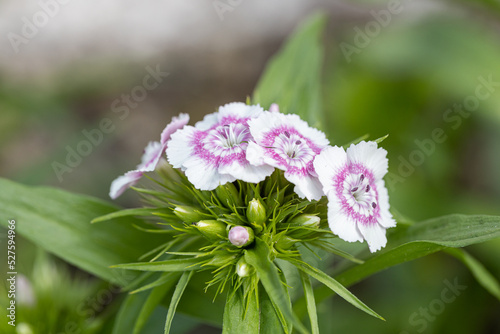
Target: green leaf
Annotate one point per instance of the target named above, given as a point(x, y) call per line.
point(179, 290)
point(189, 264)
point(258, 257)
point(311, 304)
point(482, 275)
point(129, 310)
point(270, 322)
point(455, 230)
point(292, 78)
point(202, 303)
point(127, 213)
point(164, 278)
point(59, 222)
point(241, 316)
point(415, 241)
point(334, 286)
point(154, 299)
point(425, 238)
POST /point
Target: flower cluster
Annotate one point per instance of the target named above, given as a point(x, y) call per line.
point(247, 143)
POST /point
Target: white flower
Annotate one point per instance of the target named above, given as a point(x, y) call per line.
point(213, 152)
point(288, 143)
point(152, 154)
point(358, 203)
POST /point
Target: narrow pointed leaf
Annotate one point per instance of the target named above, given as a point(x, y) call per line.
point(415, 241)
point(311, 304)
point(127, 213)
point(238, 318)
point(334, 285)
point(128, 312)
point(292, 79)
point(258, 257)
point(179, 290)
point(154, 299)
point(270, 322)
point(189, 264)
point(481, 274)
point(59, 222)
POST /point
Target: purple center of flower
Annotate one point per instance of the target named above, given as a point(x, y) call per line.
point(359, 198)
point(228, 136)
point(223, 144)
point(291, 150)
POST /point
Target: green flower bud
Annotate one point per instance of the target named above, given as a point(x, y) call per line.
point(285, 242)
point(243, 269)
point(228, 195)
point(256, 212)
point(306, 220)
point(213, 230)
point(221, 259)
point(187, 214)
point(241, 236)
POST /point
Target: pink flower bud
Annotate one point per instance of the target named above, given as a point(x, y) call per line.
point(241, 236)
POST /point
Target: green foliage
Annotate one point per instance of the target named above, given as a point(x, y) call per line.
point(292, 78)
point(418, 240)
point(58, 222)
point(179, 290)
point(259, 258)
point(260, 302)
point(49, 299)
point(241, 314)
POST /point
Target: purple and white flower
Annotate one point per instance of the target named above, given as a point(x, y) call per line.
point(152, 154)
point(213, 152)
point(288, 143)
point(358, 202)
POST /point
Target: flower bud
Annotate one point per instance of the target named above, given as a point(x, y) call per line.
point(221, 259)
point(213, 230)
point(285, 242)
point(243, 269)
point(187, 214)
point(305, 220)
point(241, 236)
point(256, 212)
point(228, 195)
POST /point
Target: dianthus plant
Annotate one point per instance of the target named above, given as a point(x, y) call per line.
point(245, 191)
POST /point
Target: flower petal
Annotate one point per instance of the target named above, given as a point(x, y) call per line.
point(341, 224)
point(177, 123)
point(386, 219)
point(255, 154)
point(120, 184)
point(151, 156)
point(179, 148)
point(247, 172)
point(235, 112)
point(368, 154)
point(374, 234)
point(205, 176)
point(306, 186)
point(329, 163)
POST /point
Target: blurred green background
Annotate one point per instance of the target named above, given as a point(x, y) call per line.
point(403, 74)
